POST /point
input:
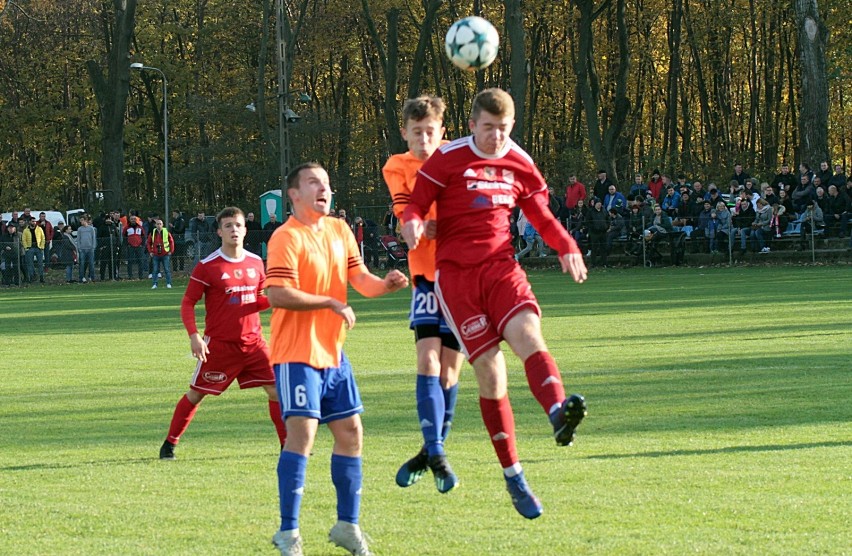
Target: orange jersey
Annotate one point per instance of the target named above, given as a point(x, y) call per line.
point(400, 172)
point(319, 263)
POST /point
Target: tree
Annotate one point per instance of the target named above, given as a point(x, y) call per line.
point(111, 92)
point(813, 114)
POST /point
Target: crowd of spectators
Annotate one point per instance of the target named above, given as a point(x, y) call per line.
point(744, 213)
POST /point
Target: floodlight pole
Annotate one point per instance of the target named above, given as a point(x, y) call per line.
point(141, 67)
point(283, 89)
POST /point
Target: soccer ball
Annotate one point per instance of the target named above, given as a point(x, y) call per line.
point(472, 43)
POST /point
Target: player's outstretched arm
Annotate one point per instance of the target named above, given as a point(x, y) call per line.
point(573, 264)
point(297, 300)
point(370, 285)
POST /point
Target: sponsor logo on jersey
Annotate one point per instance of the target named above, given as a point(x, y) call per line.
point(470, 173)
point(226, 276)
point(481, 201)
point(508, 176)
point(252, 273)
point(238, 273)
point(489, 172)
point(474, 327)
point(215, 376)
point(337, 248)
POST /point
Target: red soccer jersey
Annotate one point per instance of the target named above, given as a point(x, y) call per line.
point(475, 194)
point(232, 297)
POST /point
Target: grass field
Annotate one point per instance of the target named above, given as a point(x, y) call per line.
point(720, 423)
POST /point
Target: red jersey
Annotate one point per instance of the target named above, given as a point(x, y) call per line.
point(232, 297)
point(475, 193)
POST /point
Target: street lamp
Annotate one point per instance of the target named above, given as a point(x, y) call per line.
point(142, 67)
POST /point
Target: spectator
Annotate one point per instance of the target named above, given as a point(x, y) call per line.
point(342, 215)
point(838, 180)
point(655, 185)
point(638, 219)
point(682, 183)
point(711, 231)
point(821, 198)
point(805, 171)
point(824, 174)
point(66, 253)
point(803, 195)
point(671, 201)
point(161, 245)
point(699, 236)
point(836, 211)
point(769, 194)
point(577, 226)
point(660, 228)
point(744, 215)
point(812, 220)
point(134, 239)
point(109, 241)
point(530, 236)
point(638, 189)
point(753, 191)
point(254, 235)
point(391, 222)
point(715, 195)
point(783, 180)
point(10, 253)
point(760, 228)
point(177, 227)
point(778, 222)
point(740, 176)
point(601, 185)
point(724, 228)
point(555, 204)
point(615, 200)
point(698, 193)
point(201, 233)
point(617, 229)
point(47, 228)
point(598, 225)
point(785, 201)
point(33, 243)
point(272, 225)
point(87, 243)
point(366, 234)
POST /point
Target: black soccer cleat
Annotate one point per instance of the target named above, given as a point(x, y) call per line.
point(445, 479)
point(413, 469)
point(567, 418)
point(167, 451)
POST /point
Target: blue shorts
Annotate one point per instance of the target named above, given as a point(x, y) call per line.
point(324, 394)
point(425, 311)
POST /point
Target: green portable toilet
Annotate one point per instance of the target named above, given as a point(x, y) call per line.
point(271, 203)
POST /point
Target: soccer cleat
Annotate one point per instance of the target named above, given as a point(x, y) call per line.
point(154, 287)
point(413, 469)
point(289, 546)
point(522, 497)
point(167, 450)
point(348, 536)
point(445, 479)
point(567, 418)
point(169, 286)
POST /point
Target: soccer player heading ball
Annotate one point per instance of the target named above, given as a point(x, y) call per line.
point(475, 182)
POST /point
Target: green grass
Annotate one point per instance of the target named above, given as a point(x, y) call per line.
point(720, 423)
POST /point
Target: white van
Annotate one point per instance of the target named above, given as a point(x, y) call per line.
point(71, 217)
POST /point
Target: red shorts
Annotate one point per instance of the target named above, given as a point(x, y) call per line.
point(478, 302)
point(227, 361)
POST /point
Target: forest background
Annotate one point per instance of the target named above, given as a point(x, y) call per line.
point(688, 86)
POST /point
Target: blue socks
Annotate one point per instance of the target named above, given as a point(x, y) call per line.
point(291, 487)
point(347, 478)
point(451, 394)
point(430, 410)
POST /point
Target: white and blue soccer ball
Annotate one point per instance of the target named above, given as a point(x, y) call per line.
point(472, 43)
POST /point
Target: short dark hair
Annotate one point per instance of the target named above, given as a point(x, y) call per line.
point(293, 176)
point(229, 212)
point(422, 107)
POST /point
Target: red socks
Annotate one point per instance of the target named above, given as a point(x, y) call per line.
point(544, 380)
point(184, 412)
point(500, 423)
point(275, 415)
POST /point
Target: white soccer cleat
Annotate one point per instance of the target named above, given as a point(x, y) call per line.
point(169, 286)
point(349, 537)
point(288, 545)
point(154, 287)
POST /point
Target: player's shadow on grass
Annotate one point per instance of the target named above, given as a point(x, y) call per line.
point(726, 450)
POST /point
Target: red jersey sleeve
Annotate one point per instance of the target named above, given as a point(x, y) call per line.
point(193, 293)
point(426, 188)
point(538, 213)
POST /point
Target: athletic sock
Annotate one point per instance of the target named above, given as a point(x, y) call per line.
point(500, 423)
point(184, 412)
point(544, 380)
point(347, 478)
point(430, 410)
point(278, 421)
point(291, 487)
point(451, 394)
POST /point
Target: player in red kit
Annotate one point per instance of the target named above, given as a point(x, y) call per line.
point(231, 282)
point(476, 181)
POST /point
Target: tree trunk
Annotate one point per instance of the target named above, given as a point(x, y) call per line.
point(111, 92)
point(813, 94)
point(517, 64)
